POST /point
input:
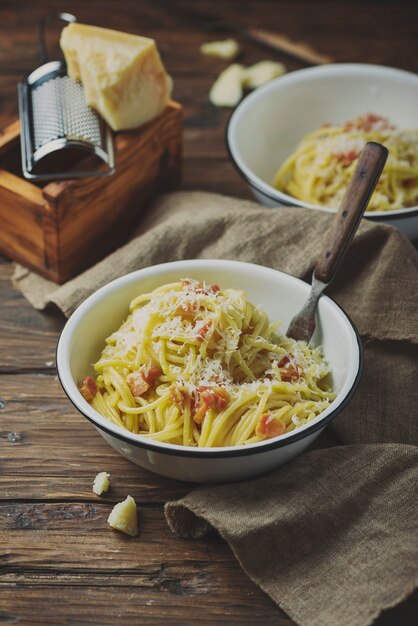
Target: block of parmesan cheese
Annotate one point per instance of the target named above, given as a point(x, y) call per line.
point(122, 74)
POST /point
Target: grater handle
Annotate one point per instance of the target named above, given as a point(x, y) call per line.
point(66, 17)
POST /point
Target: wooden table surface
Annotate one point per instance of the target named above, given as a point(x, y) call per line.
point(59, 561)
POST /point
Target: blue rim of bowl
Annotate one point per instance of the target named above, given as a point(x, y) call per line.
point(207, 452)
point(290, 203)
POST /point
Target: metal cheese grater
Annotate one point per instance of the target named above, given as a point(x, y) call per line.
point(58, 129)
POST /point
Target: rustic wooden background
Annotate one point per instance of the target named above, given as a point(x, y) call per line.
point(59, 562)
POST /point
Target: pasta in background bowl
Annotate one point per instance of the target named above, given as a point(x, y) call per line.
point(322, 165)
point(279, 295)
point(269, 124)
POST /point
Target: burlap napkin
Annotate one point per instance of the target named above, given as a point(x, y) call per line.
point(331, 537)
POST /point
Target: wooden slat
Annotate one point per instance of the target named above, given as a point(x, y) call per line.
point(21, 188)
point(9, 137)
point(27, 337)
point(64, 560)
point(63, 547)
point(23, 237)
point(50, 450)
point(322, 25)
point(107, 605)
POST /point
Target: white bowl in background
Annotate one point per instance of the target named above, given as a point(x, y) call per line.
point(268, 124)
point(280, 295)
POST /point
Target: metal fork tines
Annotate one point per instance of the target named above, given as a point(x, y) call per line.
point(302, 326)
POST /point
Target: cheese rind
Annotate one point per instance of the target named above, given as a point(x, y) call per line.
point(124, 517)
point(122, 74)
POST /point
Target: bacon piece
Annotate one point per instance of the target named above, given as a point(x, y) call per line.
point(179, 396)
point(215, 397)
point(186, 282)
point(370, 120)
point(88, 388)
point(215, 288)
point(201, 335)
point(210, 398)
point(269, 426)
point(139, 382)
point(346, 158)
point(289, 370)
point(150, 372)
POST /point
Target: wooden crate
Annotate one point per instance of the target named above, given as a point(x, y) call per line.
point(63, 227)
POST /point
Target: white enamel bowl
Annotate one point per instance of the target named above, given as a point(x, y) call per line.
point(269, 123)
point(280, 294)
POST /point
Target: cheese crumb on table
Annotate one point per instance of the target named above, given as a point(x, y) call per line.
point(101, 483)
point(228, 88)
point(227, 91)
point(124, 517)
point(260, 73)
point(227, 49)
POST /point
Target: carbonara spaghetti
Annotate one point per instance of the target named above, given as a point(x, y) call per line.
point(197, 365)
point(319, 170)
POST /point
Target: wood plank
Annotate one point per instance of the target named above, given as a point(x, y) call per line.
point(23, 237)
point(215, 176)
point(322, 25)
point(104, 602)
point(75, 537)
point(67, 551)
point(9, 138)
point(27, 337)
point(108, 605)
point(49, 450)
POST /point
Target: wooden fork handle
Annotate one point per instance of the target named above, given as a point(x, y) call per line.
point(298, 49)
point(369, 167)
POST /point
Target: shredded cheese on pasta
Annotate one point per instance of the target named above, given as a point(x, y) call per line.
point(197, 365)
point(322, 165)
